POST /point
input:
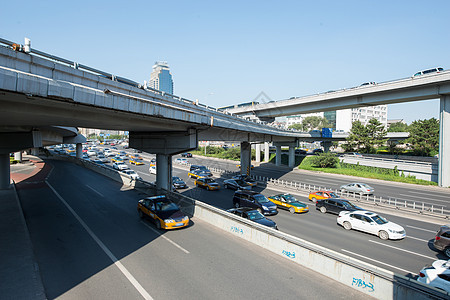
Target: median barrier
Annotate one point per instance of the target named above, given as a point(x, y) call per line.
point(368, 279)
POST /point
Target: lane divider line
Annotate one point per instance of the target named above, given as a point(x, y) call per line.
point(166, 238)
point(105, 249)
point(418, 228)
point(414, 238)
point(98, 193)
point(429, 257)
point(377, 261)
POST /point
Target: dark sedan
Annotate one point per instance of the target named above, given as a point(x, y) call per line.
point(178, 183)
point(335, 205)
point(236, 184)
point(253, 215)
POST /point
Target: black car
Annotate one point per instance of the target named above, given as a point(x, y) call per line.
point(318, 150)
point(178, 183)
point(253, 215)
point(245, 178)
point(186, 154)
point(236, 184)
point(335, 205)
point(300, 151)
point(255, 200)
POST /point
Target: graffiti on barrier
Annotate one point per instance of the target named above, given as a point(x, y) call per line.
point(237, 230)
point(288, 253)
point(362, 284)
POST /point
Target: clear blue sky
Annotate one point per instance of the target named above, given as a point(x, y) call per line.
point(227, 52)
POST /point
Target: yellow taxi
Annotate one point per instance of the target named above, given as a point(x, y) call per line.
point(320, 195)
point(117, 159)
point(197, 174)
point(251, 166)
point(136, 161)
point(288, 202)
point(207, 183)
point(163, 212)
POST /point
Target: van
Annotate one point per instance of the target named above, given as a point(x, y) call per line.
point(429, 71)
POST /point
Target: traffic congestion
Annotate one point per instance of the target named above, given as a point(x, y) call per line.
point(307, 216)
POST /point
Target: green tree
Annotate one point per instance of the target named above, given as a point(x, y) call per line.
point(325, 160)
point(311, 123)
point(365, 137)
point(424, 136)
point(398, 127)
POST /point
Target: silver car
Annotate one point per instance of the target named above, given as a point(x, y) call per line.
point(357, 188)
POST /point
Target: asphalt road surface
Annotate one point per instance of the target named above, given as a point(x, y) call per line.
point(90, 244)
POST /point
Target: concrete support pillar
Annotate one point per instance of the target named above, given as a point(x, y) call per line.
point(291, 156)
point(258, 153)
point(444, 142)
point(4, 171)
point(246, 152)
point(18, 156)
point(266, 152)
point(164, 171)
point(35, 151)
point(326, 146)
point(79, 150)
point(278, 155)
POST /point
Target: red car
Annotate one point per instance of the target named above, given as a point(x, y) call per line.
point(319, 195)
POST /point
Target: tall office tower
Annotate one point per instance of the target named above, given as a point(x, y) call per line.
point(160, 78)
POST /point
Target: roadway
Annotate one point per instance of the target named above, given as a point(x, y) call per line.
point(90, 244)
point(404, 257)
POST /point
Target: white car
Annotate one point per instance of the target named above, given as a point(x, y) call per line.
point(371, 223)
point(438, 275)
point(120, 166)
point(109, 153)
point(91, 152)
point(132, 174)
point(181, 161)
point(152, 170)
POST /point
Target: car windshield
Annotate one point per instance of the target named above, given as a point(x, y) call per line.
point(241, 182)
point(176, 179)
point(203, 168)
point(254, 215)
point(166, 206)
point(209, 180)
point(379, 220)
point(349, 205)
point(289, 198)
point(261, 199)
point(365, 185)
point(333, 195)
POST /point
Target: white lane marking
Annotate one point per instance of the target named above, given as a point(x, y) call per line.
point(167, 239)
point(377, 261)
point(427, 230)
point(429, 257)
point(116, 262)
point(419, 202)
point(98, 193)
point(425, 194)
point(414, 238)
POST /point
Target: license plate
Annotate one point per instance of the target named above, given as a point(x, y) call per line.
point(179, 224)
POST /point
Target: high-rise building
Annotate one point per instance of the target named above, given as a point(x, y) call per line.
point(343, 119)
point(160, 78)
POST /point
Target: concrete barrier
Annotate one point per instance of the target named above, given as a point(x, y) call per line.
point(371, 280)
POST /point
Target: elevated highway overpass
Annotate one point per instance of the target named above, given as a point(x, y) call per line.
point(38, 90)
point(432, 86)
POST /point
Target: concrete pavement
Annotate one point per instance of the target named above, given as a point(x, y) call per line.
point(19, 272)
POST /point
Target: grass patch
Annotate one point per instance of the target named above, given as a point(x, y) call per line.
point(365, 172)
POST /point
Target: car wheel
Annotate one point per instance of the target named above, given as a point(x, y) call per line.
point(225, 186)
point(141, 214)
point(207, 188)
point(313, 199)
point(361, 193)
point(343, 190)
point(347, 225)
point(292, 210)
point(447, 252)
point(323, 209)
point(383, 235)
point(236, 205)
point(158, 224)
point(260, 210)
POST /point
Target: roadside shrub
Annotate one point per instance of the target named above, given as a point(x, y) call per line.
point(325, 160)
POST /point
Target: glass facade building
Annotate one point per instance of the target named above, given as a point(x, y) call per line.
point(160, 78)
